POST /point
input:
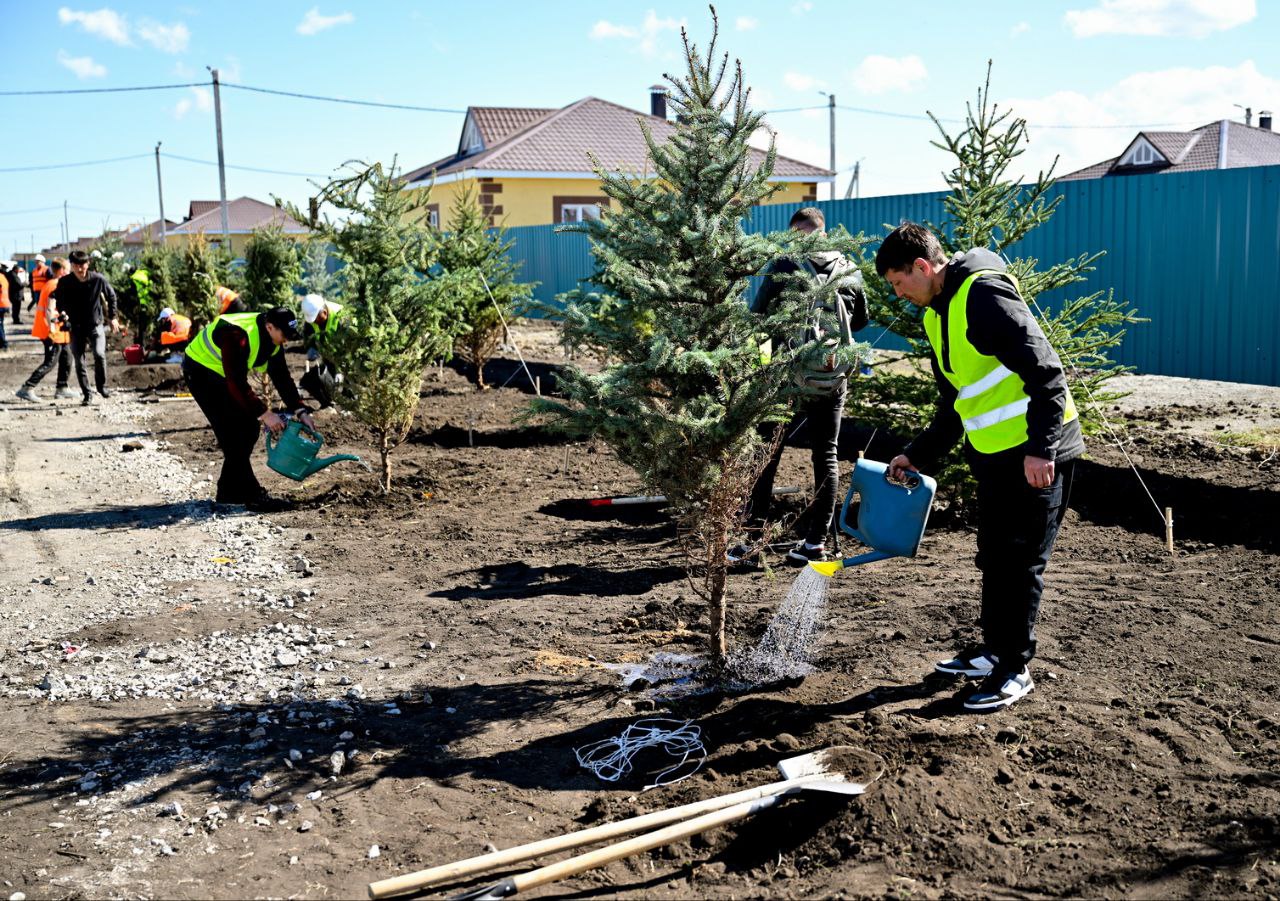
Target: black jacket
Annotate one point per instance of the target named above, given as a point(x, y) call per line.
point(79, 300)
point(771, 288)
point(233, 343)
point(1002, 326)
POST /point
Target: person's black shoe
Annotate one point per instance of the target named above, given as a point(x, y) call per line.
point(105, 392)
point(265, 503)
point(975, 663)
point(86, 401)
point(999, 690)
point(802, 554)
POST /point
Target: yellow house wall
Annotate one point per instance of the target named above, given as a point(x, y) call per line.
point(531, 201)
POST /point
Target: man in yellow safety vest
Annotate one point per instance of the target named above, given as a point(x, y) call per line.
point(1003, 388)
point(216, 367)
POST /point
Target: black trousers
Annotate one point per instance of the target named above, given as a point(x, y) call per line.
point(823, 414)
point(54, 354)
point(1017, 527)
point(95, 338)
point(236, 431)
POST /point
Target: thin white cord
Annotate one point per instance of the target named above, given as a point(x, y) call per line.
point(611, 758)
point(503, 320)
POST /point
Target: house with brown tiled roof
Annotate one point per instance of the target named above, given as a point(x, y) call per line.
point(531, 166)
point(244, 214)
point(1217, 145)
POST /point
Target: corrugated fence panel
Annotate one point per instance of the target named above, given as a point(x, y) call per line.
point(1197, 253)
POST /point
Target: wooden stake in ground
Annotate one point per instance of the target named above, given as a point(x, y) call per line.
point(1168, 530)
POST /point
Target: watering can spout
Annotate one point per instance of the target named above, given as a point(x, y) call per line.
point(294, 455)
point(317, 465)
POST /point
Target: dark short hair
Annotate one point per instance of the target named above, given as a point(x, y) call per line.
point(79, 256)
point(810, 215)
point(284, 319)
point(907, 243)
point(58, 263)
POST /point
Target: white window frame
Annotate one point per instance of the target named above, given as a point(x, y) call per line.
point(577, 210)
point(1142, 153)
point(433, 218)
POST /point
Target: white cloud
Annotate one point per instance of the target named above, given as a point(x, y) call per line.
point(604, 30)
point(201, 100)
point(1176, 99)
point(798, 81)
point(1160, 18)
point(1020, 28)
point(646, 35)
point(105, 23)
point(802, 7)
point(793, 145)
point(883, 74)
point(168, 38)
point(182, 70)
point(83, 66)
point(746, 23)
point(313, 22)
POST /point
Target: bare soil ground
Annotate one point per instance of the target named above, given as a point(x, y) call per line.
point(449, 642)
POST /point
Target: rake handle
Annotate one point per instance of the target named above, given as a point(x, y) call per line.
point(400, 885)
point(638, 845)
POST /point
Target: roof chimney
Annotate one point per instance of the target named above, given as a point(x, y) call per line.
point(658, 101)
point(1264, 119)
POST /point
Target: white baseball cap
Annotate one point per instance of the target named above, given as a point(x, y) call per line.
point(39, 258)
point(312, 304)
point(164, 314)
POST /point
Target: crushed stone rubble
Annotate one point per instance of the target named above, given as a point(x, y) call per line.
point(242, 561)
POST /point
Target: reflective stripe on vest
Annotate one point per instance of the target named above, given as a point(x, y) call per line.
point(991, 400)
point(203, 351)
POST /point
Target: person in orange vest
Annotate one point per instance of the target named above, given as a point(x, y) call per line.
point(49, 328)
point(228, 301)
point(4, 303)
point(173, 334)
point(39, 276)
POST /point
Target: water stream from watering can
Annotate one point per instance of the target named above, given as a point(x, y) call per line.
point(785, 651)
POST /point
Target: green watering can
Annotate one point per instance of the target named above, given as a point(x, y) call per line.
point(294, 455)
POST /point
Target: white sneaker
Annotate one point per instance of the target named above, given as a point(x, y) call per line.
point(999, 690)
point(29, 394)
point(976, 664)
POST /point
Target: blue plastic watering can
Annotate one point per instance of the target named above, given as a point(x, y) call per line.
point(294, 455)
point(891, 516)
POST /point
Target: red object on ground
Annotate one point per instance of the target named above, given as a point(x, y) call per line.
point(133, 354)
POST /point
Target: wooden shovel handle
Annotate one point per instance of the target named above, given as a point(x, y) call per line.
point(400, 885)
point(641, 843)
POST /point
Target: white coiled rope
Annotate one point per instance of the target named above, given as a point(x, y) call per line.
point(611, 758)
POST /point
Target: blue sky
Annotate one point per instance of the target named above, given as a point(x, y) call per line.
point(1077, 63)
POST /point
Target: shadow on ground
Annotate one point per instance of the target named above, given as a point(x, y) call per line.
point(133, 516)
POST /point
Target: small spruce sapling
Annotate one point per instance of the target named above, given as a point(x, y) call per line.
point(400, 308)
point(491, 295)
point(687, 395)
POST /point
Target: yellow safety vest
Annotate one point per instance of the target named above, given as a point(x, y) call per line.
point(991, 400)
point(203, 351)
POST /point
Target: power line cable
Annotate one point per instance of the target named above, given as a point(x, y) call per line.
point(148, 87)
point(192, 159)
point(39, 209)
point(400, 106)
point(795, 109)
point(115, 159)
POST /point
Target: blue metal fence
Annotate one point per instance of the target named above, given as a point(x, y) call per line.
point(1197, 253)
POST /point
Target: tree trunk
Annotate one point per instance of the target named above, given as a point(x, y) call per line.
point(384, 449)
point(717, 573)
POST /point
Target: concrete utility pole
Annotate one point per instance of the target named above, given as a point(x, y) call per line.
point(164, 232)
point(66, 230)
point(831, 111)
point(222, 168)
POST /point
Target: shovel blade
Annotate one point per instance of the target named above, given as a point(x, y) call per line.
point(824, 770)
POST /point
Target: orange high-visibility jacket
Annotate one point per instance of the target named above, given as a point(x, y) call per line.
point(39, 276)
point(4, 293)
point(42, 327)
point(179, 330)
point(226, 297)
